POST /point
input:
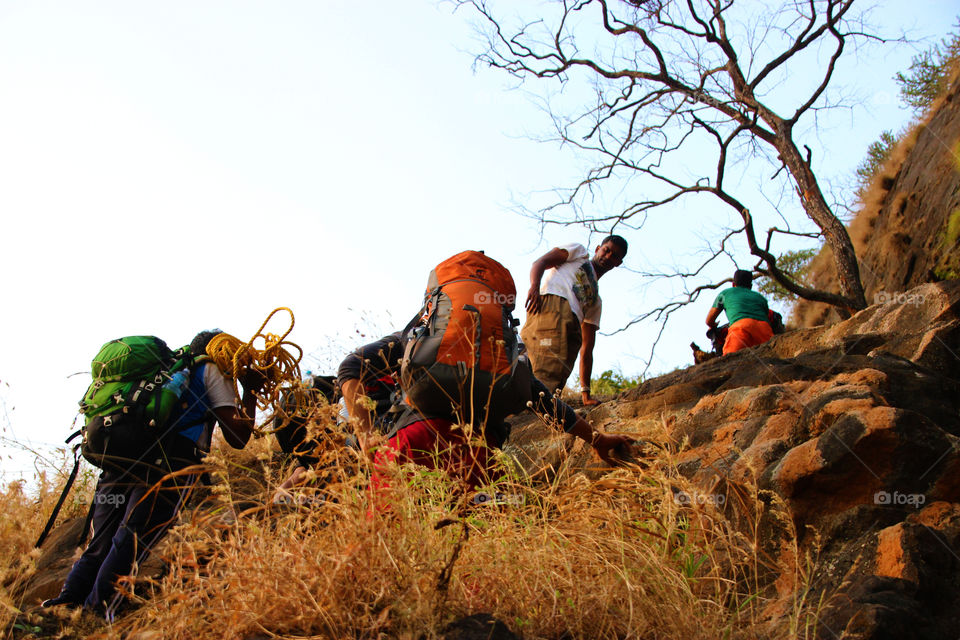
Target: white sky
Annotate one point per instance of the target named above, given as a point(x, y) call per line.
point(172, 166)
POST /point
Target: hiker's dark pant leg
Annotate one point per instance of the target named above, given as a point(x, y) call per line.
point(149, 512)
point(109, 509)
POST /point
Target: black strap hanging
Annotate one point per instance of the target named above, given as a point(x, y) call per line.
point(63, 496)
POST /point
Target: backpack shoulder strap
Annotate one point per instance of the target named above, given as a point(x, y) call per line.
point(428, 303)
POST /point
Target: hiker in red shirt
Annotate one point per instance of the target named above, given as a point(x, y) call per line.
point(461, 369)
point(416, 437)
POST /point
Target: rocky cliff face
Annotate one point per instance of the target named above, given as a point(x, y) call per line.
point(855, 427)
point(908, 230)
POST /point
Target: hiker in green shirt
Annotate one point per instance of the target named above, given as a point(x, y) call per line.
point(747, 313)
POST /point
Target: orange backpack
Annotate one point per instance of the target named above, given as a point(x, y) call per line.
point(461, 350)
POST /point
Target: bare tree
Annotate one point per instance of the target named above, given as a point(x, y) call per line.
point(689, 78)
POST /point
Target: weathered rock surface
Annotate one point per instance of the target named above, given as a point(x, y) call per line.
point(59, 554)
point(905, 233)
point(480, 626)
point(856, 426)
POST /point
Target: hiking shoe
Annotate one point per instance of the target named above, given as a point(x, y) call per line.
point(61, 599)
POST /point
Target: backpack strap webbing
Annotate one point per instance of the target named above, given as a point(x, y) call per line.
point(63, 496)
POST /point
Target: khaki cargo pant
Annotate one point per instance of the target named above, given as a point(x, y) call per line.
point(553, 338)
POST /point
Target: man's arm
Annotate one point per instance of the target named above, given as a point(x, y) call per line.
point(556, 410)
point(553, 258)
point(237, 424)
point(588, 334)
point(712, 316)
point(366, 363)
point(352, 390)
point(603, 443)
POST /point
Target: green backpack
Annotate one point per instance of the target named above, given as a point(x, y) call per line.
point(136, 389)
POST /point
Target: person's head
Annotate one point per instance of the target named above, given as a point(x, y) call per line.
point(609, 254)
point(743, 278)
point(198, 346)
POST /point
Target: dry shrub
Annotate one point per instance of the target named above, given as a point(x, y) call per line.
point(23, 513)
point(609, 558)
point(614, 557)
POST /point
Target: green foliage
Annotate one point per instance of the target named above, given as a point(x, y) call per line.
point(792, 263)
point(926, 78)
point(929, 73)
point(611, 382)
point(953, 229)
point(877, 154)
point(946, 273)
point(948, 267)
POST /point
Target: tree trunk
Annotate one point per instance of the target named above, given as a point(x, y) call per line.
point(834, 232)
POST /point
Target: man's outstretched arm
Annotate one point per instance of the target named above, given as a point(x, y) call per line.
point(237, 423)
point(588, 334)
point(559, 412)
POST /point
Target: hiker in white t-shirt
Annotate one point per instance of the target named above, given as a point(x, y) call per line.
point(563, 310)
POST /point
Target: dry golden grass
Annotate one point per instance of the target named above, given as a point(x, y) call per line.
point(23, 514)
point(616, 557)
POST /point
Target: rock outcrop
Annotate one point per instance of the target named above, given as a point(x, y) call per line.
point(855, 426)
point(907, 231)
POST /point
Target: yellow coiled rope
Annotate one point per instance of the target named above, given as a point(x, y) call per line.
point(265, 352)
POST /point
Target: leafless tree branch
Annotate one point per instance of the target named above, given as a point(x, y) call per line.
point(671, 77)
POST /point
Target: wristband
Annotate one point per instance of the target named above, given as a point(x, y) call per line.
point(584, 389)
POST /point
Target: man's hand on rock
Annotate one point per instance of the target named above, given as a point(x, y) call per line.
point(588, 401)
point(606, 444)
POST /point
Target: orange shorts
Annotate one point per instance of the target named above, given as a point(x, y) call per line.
point(746, 332)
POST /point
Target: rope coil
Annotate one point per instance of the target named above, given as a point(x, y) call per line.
point(274, 361)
